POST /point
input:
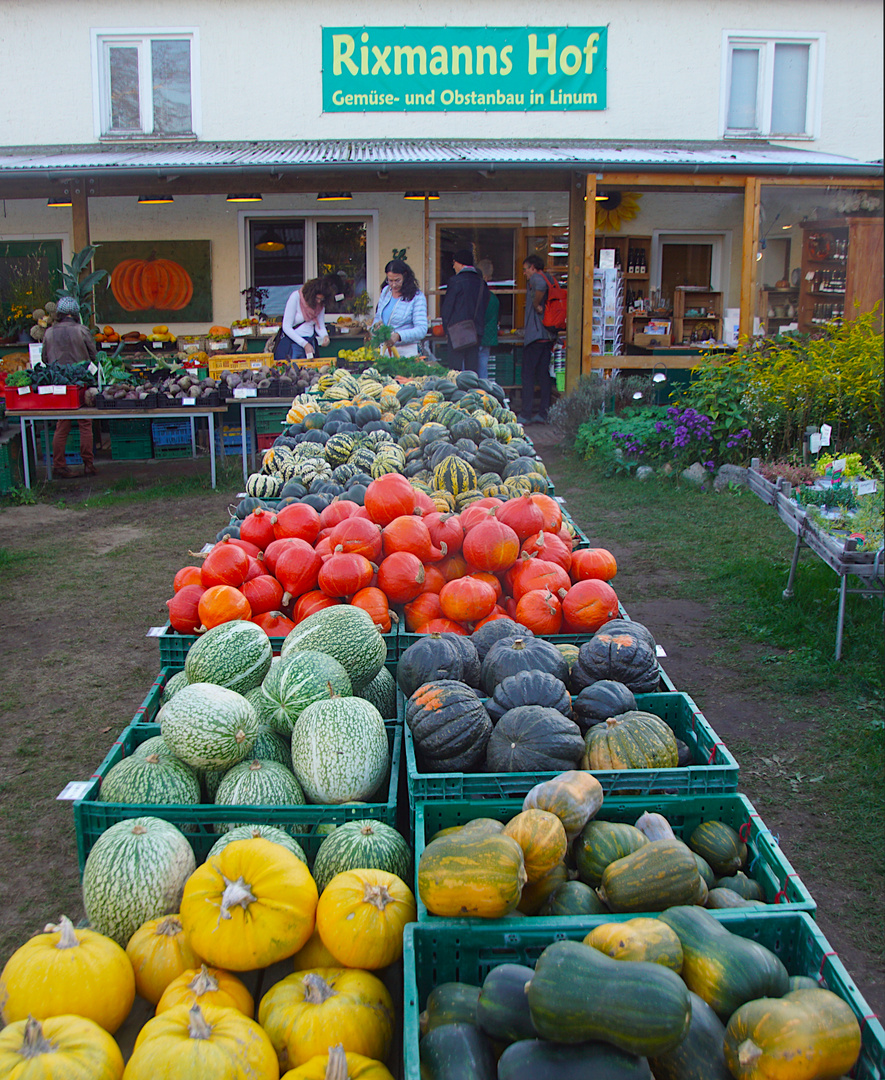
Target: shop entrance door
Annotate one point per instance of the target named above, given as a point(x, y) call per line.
point(694, 259)
point(494, 244)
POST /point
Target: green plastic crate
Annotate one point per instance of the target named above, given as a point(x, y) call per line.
point(92, 818)
point(270, 420)
point(767, 863)
point(130, 427)
point(10, 461)
point(183, 450)
point(440, 952)
point(715, 770)
point(130, 447)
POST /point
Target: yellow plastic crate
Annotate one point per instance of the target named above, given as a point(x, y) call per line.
point(238, 362)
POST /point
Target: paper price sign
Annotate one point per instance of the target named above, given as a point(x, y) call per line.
point(189, 401)
point(866, 487)
point(825, 433)
point(156, 631)
point(75, 789)
point(245, 392)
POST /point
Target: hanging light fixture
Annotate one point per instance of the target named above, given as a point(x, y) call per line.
point(333, 196)
point(243, 198)
point(59, 200)
point(270, 241)
point(153, 200)
point(420, 196)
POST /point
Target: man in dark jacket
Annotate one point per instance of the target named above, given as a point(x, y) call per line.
point(68, 341)
point(466, 299)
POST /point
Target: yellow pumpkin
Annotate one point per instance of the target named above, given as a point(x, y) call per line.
point(638, 939)
point(337, 1065)
point(535, 893)
point(248, 906)
point(68, 971)
point(207, 986)
point(805, 1035)
point(361, 916)
point(59, 1048)
point(159, 952)
point(198, 1042)
point(309, 1011)
point(471, 872)
point(541, 835)
point(314, 955)
point(574, 796)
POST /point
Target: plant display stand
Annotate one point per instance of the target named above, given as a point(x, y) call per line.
point(841, 556)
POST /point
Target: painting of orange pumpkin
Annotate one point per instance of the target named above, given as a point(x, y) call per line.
point(151, 284)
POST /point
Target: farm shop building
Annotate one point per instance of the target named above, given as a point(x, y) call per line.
point(727, 148)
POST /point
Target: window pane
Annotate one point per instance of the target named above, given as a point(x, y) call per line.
point(341, 250)
point(123, 65)
point(743, 90)
point(171, 82)
point(277, 271)
point(789, 98)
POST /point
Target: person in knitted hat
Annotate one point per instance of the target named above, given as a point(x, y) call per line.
point(466, 300)
point(68, 341)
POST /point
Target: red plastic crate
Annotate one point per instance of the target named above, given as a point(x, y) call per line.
point(265, 442)
point(72, 398)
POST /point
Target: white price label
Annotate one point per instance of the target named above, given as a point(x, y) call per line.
point(256, 364)
point(839, 465)
point(206, 548)
point(35, 352)
point(245, 392)
point(659, 650)
point(59, 391)
point(825, 433)
point(814, 442)
point(809, 276)
point(43, 390)
point(188, 401)
point(92, 369)
point(156, 631)
point(866, 487)
point(75, 789)
point(24, 389)
point(108, 345)
point(218, 346)
point(157, 344)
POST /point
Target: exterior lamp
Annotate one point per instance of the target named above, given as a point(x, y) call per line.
point(243, 198)
point(333, 196)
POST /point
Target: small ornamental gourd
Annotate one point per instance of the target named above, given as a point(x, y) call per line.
point(69, 1047)
point(67, 970)
point(361, 916)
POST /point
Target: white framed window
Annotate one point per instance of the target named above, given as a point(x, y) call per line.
point(771, 84)
point(146, 83)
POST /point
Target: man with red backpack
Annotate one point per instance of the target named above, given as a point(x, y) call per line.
point(538, 341)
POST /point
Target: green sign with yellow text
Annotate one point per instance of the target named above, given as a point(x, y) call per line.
point(464, 68)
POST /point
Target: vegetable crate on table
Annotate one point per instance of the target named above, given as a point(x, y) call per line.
point(714, 769)
point(23, 397)
point(199, 822)
point(780, 882)
point(435, 953)
point(236, 362)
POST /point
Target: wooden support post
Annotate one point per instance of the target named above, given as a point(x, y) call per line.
point(589, 258)
point(574, 317)
point(752, 200)
point(79, 213)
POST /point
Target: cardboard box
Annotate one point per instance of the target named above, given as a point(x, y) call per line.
point(652, 341)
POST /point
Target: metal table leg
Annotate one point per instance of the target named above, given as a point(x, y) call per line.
point(26, 454)
point(193, 438)
point(243, 437)
point(840, 621)
point(788, 591)
point(211, 420)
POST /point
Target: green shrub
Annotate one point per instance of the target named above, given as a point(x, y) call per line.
point(595, 396)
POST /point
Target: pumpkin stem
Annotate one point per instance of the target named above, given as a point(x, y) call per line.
point(240, 735)
point(316, 989)
point(336, 1066)
point(197, 1027)
point(67, 937)
point(152, 758)
point(204, 982)
point(254, 766)
point(377, 895)
point(35, 1042)
point(236, 893)
point(367, 829)
point(748, 1053)
point(170, 926)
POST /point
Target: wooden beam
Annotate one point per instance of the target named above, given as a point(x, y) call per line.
point(752, 202)
point(673, 180)
point(589, 258)
point(574, 318)
point(80, 191)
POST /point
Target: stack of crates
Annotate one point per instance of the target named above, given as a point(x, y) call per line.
point(72, 446)
point(505, 369)
point(229, 440)
point(171, 438)
point(130, 440)
point(269, 423)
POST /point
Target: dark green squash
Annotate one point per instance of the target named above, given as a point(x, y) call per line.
point(449, 725)
point(573, 898)
point(600, 700)
point(490, 457)
point(449, 1003)
point(622, 657)
point(469, 657)
point(724, 969)
point(601, 843)
point(803, 982)
point(457, 1052)
point(684, 755)
point(579, 994)
point(521, 466)
point(490, 634)
point(529, 688)
point(431, 657)
point(701, 1054)
point(537, 1059)
point(502, 1011)
point(367, 414)
point(744, 886)
point(524, 653)
point(534, 739)
point(615, 626)
point(720, 845)
point(247, 504)
point(719, 898)
point(705, 870)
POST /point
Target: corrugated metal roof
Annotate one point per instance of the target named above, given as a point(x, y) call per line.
point(375, 153)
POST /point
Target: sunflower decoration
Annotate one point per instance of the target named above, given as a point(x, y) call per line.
point(615, 209)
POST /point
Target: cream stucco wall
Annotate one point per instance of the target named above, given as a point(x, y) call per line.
point(260, 68)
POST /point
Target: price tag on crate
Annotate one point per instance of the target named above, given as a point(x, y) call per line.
point(659, 650)
point(23, 390)
point(188, 401)
point(74, 789)
point(59, 391)
point(156, 345)
point(245, 392)
point(44, 390)
point(156, 631)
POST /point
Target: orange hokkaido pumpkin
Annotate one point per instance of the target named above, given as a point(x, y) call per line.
point(550, 547)
point(389, 497)
point(401, 576)
point(151, 284)
point(442, 626)
point(410, 533)
point(264, 593)
point(551, 510)
point(312, 601)
point(374, 601)
point(274, 623)
point(522, 515)
point(184, 614)
point(222, 604)
point(421, 610)
point(593, 563)
point(226, 564)
point(434, 579)
point(529, 574)
point(588, 605)
point(467, 599)
point(540, 611)
point(187, 575)
point(491, 545)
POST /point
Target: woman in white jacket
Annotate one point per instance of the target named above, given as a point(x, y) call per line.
point(304, 321)
point(403, 307)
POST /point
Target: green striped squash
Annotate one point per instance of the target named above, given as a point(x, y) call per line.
point(135, 872)
point(249, 832)
point(258, 783)
point(302, 677)
point(381, 691)
point(602, 843)
point(236, 655)
point(209, 726)
point(175, 683)
point(339, 448)
point(156, 744)
point(455, 475)
point(346, 633)
point(271, 746)
point(362, 845)
point(339, 750)
point(263, 486)
point(150, 778)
